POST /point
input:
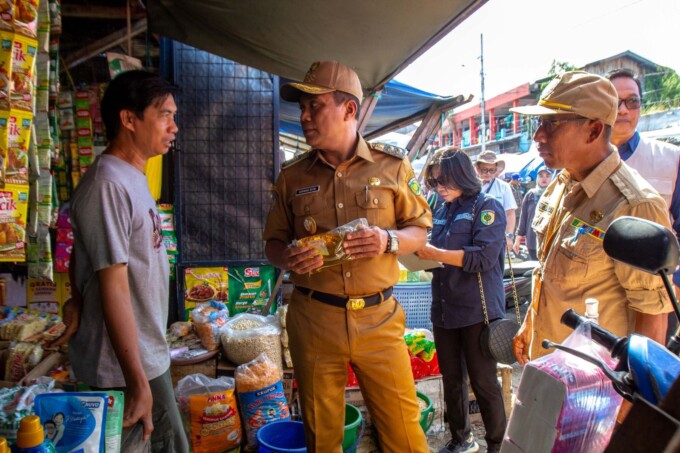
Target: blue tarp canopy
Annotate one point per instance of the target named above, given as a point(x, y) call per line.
point(397, 103)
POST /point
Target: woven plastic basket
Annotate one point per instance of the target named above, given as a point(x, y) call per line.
point(416, 298)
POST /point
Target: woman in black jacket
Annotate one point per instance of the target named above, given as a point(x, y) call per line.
point(468, 238)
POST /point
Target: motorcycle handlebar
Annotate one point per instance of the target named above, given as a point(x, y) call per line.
point(615, 345)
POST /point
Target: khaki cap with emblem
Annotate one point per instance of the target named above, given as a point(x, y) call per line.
point(324, 77)
point(585, 94)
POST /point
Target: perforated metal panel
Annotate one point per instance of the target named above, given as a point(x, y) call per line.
point(225, 156)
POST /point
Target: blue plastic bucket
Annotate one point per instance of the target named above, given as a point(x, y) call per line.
point(282, 437)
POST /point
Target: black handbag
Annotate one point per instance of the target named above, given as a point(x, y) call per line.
point(496, 338)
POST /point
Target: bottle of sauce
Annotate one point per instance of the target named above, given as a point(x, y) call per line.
point(31, 437)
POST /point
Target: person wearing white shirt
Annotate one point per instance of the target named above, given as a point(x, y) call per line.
point(489, 166)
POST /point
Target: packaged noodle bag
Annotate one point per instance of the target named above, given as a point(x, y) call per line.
point(329, 244)
point(209, 413)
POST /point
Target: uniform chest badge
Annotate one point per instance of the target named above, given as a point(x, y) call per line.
point(373, 181)
point(309, 224)
point(596, 215)
point(487, 217)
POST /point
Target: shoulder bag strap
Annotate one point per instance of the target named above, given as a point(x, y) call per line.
point(479, 274)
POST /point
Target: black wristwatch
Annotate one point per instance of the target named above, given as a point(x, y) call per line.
point(392, 242)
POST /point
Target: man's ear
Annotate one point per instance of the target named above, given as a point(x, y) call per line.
point(596, 130)
point(350, 110)
point(127, 119)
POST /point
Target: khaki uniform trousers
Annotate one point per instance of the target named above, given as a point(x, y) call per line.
point(323, 339)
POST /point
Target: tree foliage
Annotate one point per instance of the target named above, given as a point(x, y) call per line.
point(661, 90)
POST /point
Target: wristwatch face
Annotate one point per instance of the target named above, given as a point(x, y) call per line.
point(394, 242)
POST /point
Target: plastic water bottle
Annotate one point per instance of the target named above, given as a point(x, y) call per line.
point(592, 310)
point(31, 437)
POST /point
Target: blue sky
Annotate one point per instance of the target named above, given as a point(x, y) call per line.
point(523, 37)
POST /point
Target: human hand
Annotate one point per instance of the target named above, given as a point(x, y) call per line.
point(428, 253)
point(138, 408)
point(508, 243)
point(71, 319)
point(365, 242)
point(302, 260)
point(515, 247)
point(521, 343)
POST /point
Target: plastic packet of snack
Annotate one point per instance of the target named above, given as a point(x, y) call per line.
point(329, 244)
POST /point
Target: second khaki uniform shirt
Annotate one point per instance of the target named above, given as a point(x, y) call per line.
point(575, 266)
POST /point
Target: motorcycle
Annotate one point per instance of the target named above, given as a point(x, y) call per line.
point(522, 276)
point(644, 372)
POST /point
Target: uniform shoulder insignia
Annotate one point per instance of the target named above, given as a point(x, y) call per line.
point(295, 160)
point(389, 149)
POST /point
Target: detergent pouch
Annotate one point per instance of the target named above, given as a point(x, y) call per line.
point(329, 244)
point(564, 403)
point(113, 434)
point(78, 420)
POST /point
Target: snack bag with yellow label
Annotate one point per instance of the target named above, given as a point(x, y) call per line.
point(19, 135)
point(203, 284)
point(23, 64)
point(13, 214)
point(6, 46)
point(209, 413)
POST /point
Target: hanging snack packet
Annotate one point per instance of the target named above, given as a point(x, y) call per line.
point(13, 215)
point(19, 134)
point(23, 64)
point(79, 419)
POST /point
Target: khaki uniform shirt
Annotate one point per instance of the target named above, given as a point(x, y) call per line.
point(378, 183)
point(576, 267)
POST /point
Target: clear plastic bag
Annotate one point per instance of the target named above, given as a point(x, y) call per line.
point(208, 319)
point(246, 336)
point(565, 403)
point(209, 413)
point(329, 244)
point(254, 379)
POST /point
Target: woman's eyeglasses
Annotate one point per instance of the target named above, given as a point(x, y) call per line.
point(632, 103)
point(432, 182)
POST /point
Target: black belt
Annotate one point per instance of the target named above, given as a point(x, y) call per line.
point(350, 303)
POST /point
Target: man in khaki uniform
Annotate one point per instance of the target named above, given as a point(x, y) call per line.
point(346, 313)
point(576, 112)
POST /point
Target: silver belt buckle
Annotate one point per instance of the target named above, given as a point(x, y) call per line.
point(355, 303)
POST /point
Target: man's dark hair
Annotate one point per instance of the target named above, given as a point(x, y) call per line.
point(49, 422)
point(341, 97)
point(625, 73)
point(456, 169)
point(135, 91)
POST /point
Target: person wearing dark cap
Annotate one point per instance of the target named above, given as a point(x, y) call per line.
point(528, 211)
point(346, 314)
point(575, 114)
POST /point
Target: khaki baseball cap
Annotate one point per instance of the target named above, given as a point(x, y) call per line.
point(587, 95)
point(324, 77)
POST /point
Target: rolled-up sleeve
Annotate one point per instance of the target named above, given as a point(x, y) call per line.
point(645, 292)
point(488, 238)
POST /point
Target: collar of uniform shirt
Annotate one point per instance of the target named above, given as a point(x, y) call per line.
point(592, 183)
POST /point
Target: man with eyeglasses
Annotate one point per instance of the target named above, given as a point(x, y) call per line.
point(656, 161)
point(576, 112)
point(489, 166)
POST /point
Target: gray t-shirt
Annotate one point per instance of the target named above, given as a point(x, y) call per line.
point(114, 220)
